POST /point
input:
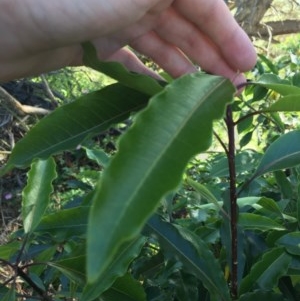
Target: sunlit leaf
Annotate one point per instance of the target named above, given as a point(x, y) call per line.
point(70, 124)
point(273, 82)
point(289, 103)
point(281, 154)
point(36, 195)
point(152, 156)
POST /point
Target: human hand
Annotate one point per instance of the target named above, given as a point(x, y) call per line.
point(39, 36)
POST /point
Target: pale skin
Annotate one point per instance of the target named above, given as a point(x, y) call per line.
point(40, 36)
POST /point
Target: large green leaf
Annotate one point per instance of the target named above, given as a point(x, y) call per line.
point(125, 288)
point(282, 153)
point(9, 249)
point(266, 272)
point(69, 125)
point(289, 103)
point(193, 253)
point(117, 268)
point(273, 82)
point(151, 159)
point(117, 71)
point(65, 223)
point(36, 194)
point(72, 267)
point(257, 222)
point(291, 242)
point(10, 295)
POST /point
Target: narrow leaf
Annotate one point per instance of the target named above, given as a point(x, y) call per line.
point(36, 195)
point(204, 192)
point(151, 159)
point(70, 124)
point(117, 71)
point(266, 272)
point(282, 153)
point(193, 253)
point(257, 222)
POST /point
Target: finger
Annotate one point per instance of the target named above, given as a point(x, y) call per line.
point(132, 62)
point(168, 57)
point(173, 61)
point(215, 20)
point(187, 37)
point(58, 23)
point(39, 63)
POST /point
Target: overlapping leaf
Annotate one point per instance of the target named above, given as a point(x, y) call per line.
point(117, 71)
point(266, 272)
point(152, 156)
point(273, 82)
point(70, 124)
point(194, 254)
point(36, 194)
point(281, 154)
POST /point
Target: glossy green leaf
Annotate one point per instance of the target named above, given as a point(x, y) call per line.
point(257, 222)
point(9, 249)
point(284, 184)
point(282, 153)
point(271, 206)
point(291, 242)
point(193, 253)
point(117, 71)
point(273, 68)
point(117, 268)
point(36, 194)
point(70, 124)
point(289, 103)
point(266, 272)
point(98, 156)
point(65, 223)
point(73, 268)
point(10, 295)
point(204, 192)
point(273, 82)
point(261, 295)
point(152, 156)
point(126, 289)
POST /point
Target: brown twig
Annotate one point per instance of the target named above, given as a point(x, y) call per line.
point(233, 202)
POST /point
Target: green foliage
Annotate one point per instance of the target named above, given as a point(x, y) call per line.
point(157, 214)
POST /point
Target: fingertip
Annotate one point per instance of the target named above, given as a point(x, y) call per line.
point(244, 52)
